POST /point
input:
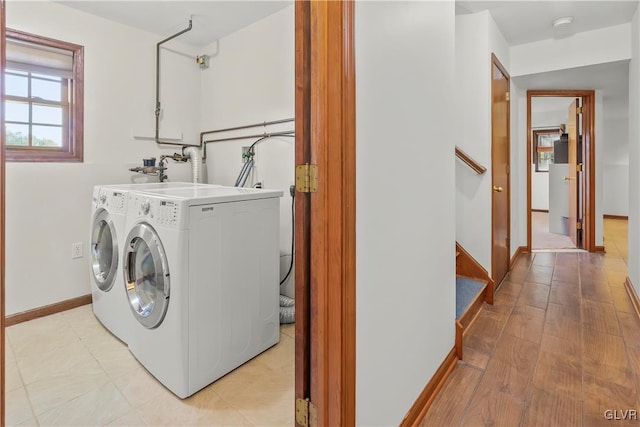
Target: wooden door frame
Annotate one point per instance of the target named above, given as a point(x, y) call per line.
point(495, 61)
point(588, 162)
point(325, 220)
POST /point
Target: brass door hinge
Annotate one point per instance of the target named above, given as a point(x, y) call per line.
point(579, 167)
point(579, 225)
point(307, 178)
point(507, 96)
point(579, 110)
point(306, 413)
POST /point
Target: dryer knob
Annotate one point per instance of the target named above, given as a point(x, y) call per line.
point(145, 207)
point(103, 198)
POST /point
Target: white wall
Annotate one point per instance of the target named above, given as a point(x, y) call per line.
point(477, 36)
point(634, 154)
point(518, 167)
point(48, 205)
point(615, 189)
point(405, 231)
point(587, 48)
point(251, 80)
point(599, 153)
point(615, 185)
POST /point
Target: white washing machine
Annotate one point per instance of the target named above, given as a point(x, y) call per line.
point(201, 268)
point(109, 299)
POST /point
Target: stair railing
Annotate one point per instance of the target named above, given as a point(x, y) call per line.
point(477, 167)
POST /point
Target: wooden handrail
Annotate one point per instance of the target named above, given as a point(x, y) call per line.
point(477, 167)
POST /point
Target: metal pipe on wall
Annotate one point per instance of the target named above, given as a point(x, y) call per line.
point(203, 143)
point(157, 111)
point(255, 125)
point(236, 138)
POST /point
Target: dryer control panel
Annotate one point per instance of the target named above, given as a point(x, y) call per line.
point(117, 201)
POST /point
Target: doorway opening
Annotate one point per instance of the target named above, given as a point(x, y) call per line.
point(560, 170)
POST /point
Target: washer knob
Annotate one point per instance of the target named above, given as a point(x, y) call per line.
point(145, 207)
point(103, 198)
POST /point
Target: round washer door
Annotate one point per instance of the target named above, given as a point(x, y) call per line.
point(146, 275)
point(104, 250)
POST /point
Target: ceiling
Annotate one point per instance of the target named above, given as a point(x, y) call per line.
point(211, 19)
point(519, 21)
point(529, 21)
point(612, 79)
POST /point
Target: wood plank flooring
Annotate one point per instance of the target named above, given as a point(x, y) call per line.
point(560, 347)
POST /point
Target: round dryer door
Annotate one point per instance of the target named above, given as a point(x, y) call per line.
point(104, 251)
point(146, 275)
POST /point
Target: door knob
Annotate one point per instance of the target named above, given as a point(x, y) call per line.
point(497, 189)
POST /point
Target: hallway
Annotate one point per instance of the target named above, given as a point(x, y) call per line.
point(560, 347)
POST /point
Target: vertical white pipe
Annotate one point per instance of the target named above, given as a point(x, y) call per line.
point(196, 164)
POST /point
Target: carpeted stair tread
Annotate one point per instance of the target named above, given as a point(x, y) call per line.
point(466, 291)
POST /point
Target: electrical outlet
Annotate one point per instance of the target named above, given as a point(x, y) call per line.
point(76, 250)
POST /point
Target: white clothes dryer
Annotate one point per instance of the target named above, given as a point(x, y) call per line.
point(107, 235)
point(201, 268)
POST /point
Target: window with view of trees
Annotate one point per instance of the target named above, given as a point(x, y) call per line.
point(43, 99)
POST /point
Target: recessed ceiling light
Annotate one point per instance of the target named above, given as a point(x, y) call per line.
point(562, 22)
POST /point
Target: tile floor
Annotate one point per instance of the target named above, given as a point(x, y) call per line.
point(67, 370)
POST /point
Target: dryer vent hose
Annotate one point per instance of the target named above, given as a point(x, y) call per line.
point(193, 153)
point(287, 310)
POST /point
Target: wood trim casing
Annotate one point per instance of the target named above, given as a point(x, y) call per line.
point(467, 266)
point(535, 134)
point(47, 310)
point(469, 161)
point(521, 250)
point(599, 249)
point(621, 217)
point(588, 161)
point(332, 210)
point(302, 257)
point(419, 409)
point(459, 335)
point(631, 291)
point(74, 150)
point(540, 210)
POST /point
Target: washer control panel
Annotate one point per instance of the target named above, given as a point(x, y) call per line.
point(160, 211)
point(114, 201)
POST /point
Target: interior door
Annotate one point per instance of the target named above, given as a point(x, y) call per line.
point(500, 171)
point(572, 151)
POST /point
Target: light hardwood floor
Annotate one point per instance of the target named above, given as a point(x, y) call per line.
point(560, 347)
